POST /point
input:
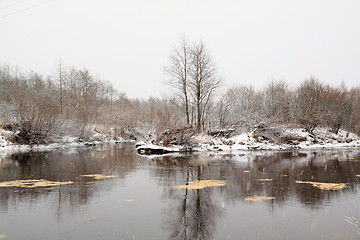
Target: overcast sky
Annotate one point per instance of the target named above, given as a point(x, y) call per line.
point(128, 42)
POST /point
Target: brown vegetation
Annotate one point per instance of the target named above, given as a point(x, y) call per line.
point(73, 102)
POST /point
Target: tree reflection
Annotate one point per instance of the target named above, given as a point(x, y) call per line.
point(192, 214)
point(196, 211)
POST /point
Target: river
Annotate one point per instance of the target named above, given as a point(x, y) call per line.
point(140, 200)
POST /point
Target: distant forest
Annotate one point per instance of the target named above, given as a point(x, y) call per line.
point(73, 102)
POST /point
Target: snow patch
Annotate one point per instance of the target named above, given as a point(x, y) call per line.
point(280, 138)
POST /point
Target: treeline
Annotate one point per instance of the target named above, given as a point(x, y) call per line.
point(192, 75)
point(310, 105)
point(73, 102)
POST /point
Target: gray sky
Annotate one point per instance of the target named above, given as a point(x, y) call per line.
point(128, 42)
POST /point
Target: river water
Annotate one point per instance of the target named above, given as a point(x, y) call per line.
point(140, 201)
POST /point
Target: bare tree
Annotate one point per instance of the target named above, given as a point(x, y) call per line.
point(277, 100)
point(310, 103)
point(59, 76)
point(224, 110)
point(203, 82)
point(35, 108)
point(354, 118)
point(178, 71)
point(247, 108)
point(339, 107)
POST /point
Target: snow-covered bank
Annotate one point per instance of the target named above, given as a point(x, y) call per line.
point(275, 138)
point(292, 138)
point(262, 138)
point(8, 147)
point(156, 149)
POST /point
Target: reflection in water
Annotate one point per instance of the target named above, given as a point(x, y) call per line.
point(64, 166)
point(266, 173)
point(195, 212)
point(189, 214)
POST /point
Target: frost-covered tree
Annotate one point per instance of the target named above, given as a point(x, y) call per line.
point(242, 107)
point(223, 110)
point(311, 96)
point(277, 100)
point(354, 119)
point(339, 107)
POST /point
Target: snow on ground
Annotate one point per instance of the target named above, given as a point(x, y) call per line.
point(4, 135)
point(156, 149)
point(7, 147)
point(292, 138)
point(322, 138)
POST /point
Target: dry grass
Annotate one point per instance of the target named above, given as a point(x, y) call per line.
point(265, 180)
point(325, 186)
point(32, 183)
point(200, 184)
point(258, 198)
point(97, 176)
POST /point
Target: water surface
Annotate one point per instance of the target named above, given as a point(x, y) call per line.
point(140, 202)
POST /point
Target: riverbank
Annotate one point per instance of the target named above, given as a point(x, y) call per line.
point(65, 142)
point(274, 138)
point(262, 138)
